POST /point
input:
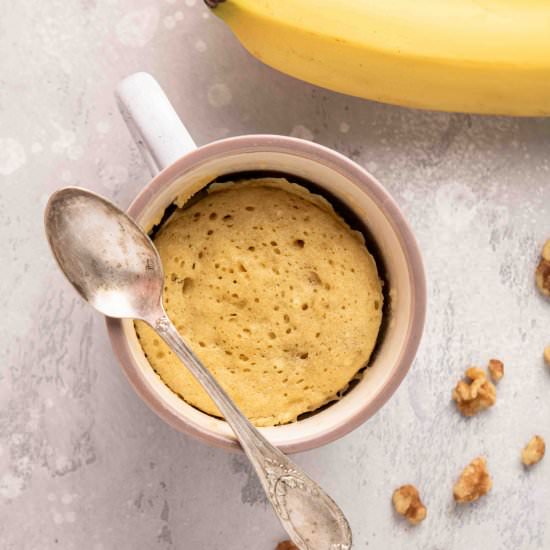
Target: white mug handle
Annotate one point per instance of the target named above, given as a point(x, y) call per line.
point(154, 124)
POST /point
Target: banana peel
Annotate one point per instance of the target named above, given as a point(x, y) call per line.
point(476, 56)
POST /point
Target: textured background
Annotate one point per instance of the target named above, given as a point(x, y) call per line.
point(85, 465)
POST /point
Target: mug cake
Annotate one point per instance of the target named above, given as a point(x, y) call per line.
point(278, 297)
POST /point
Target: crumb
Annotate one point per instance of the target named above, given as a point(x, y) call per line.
point(474, 482)
point(286, 545)
point(496, 369)
point(547, 355)
point(542, 274)
point(475, 396)
point(534, 451)
point(406, 502)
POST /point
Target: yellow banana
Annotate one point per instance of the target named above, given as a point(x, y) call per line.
point(480, 56)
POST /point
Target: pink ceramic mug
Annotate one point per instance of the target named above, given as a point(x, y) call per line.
point(180, 168)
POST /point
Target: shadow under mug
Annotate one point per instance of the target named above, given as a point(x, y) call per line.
point(181, 169)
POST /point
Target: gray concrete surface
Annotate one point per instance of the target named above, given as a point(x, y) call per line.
point(85, 465)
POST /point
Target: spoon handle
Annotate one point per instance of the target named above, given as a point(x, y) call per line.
point(310, 517)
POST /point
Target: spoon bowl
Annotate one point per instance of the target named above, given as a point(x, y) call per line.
point(105, 255)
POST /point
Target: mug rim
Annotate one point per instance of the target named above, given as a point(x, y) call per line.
point(384, 201)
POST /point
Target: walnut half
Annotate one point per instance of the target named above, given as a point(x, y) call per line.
point(475, 396)
point(542, 274)
point(406, 501)
point(533, 451)
point(474, 482)
point(286, 545)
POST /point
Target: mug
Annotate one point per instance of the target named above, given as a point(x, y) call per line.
point(180, 169)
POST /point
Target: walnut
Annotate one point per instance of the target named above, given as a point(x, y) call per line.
point(474, 482)
point(286, 545)
point(542, 274)
point(547, 355)
point(496, 369)
point(534, 451)
point(406, 502)
point(475, 396)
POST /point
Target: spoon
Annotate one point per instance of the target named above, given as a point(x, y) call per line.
point(116, 268)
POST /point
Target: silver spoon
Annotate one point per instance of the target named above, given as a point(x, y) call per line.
point(116, 268)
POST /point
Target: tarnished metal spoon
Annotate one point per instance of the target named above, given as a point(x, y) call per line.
point(116, 268)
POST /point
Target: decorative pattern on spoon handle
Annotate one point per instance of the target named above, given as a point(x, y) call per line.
point(282, 477)
point(162, 324)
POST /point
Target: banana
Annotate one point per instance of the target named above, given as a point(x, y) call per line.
point(477, 56)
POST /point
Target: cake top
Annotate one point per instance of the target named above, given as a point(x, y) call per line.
point(274, 292)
